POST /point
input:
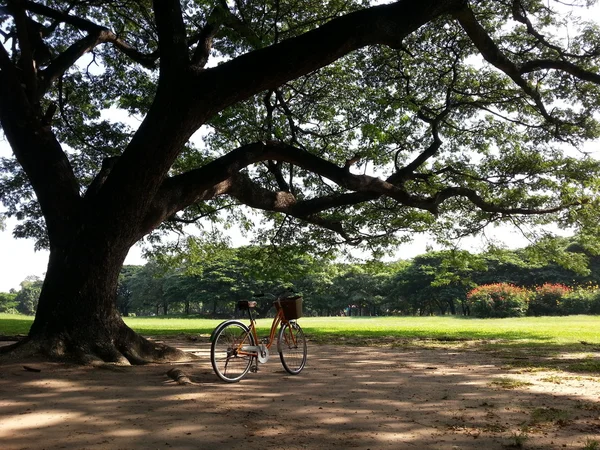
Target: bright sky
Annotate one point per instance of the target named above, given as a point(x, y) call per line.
point(19, 260)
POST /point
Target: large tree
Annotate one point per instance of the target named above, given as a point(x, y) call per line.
point(362, 121)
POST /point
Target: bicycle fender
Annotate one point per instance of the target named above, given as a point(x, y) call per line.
point(222, 324)
point(212, 335)
point(279, 338)
point(291, 324)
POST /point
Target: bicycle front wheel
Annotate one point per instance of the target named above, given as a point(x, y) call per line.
point(227, 361)
point(292, 347)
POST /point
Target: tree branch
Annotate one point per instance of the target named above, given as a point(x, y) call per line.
point(270, 67)
point(490, 207)
point(223, 168)
point(188, 98)
point(26, 62)
point(100, 178)
point(222, 177)
point(96, 35)
point(172, 43)
point(255, 196)
point(38, 152)
point(519, 15)
point(405, 172)
point(492, 54)
point(205, 38)
point(564, 66)
point(66, 60)
point(240, 26)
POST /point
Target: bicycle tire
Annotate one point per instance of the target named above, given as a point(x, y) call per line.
point(291, 344)
point(227, 364)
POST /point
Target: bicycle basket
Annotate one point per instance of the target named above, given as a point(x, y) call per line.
point(291, 307)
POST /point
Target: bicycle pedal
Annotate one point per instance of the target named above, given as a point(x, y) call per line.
point(254, 369)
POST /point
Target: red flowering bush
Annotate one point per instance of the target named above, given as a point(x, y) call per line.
point(498, 300)
point(547, 298)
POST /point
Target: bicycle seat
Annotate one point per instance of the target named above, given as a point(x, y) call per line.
point(245, 304)
point(294, 297)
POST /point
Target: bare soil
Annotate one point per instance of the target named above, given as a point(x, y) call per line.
point(391, 395)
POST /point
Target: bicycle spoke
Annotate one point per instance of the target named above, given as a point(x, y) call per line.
point(292, 348)
point(226, 362)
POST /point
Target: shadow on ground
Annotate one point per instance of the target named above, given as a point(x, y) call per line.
point(347, 397)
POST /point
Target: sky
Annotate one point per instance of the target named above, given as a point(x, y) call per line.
point(18, 259)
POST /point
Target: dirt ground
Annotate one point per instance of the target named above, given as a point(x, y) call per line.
point(388, 396)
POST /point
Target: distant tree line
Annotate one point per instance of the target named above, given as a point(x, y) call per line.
point(23, 301)
point(208, 279)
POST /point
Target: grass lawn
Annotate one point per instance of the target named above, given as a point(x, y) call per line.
point(551, 331)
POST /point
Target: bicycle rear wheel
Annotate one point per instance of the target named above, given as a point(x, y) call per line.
point(292, 347)
point(227, 362)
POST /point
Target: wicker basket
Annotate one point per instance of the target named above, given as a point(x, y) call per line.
point(291, 307)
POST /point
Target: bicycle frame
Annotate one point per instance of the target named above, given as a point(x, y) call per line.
point(252, 350)
point(237, 349)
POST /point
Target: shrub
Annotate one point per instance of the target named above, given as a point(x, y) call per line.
point(27, 299)
point(546, 299)
point(578, 301)
point(595, 303)
point(8, 302)
point(498, 300)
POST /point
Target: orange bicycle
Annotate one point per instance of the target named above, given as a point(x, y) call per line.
point(236, 349)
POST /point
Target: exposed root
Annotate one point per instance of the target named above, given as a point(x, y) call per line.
point(139, 350)
point(22, 350)
point(9, 348)
point(112, 367)
point(127, 349)
point(18, 337)
point(179, 376)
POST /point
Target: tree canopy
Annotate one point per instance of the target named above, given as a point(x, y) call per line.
point(343, 122)
point(466, 114)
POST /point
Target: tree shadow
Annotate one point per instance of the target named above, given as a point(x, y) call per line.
point(347, 397)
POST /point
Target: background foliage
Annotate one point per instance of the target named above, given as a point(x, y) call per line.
point(207, 280)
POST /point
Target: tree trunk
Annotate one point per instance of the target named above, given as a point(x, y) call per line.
point(77, 317)
point(452, 307)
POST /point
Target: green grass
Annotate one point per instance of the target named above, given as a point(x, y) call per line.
point(539, 415)
point(518, 440)
point(160, 326)
point(549, 330)
point(544, 331)
point(13, 324)
point(591, 444)
point(508, 383)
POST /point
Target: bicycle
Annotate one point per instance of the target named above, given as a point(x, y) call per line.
point(235, 346)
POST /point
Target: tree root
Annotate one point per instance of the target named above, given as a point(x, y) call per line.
point(179, 376)
point(23, 349)
point(129, 349)
point(9, 348)
point(18, 337)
